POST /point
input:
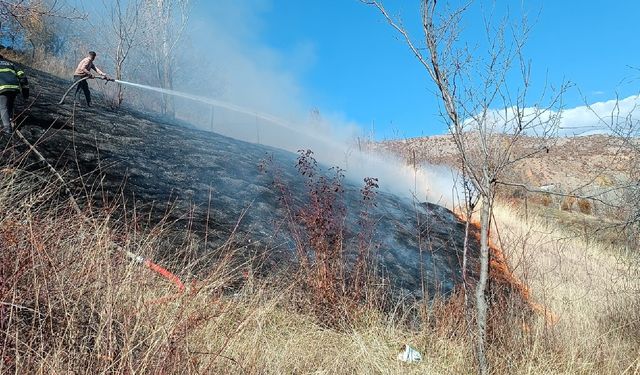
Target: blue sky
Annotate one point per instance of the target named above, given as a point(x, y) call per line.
point(341, 57)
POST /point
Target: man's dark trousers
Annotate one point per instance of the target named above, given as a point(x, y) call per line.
point(84, 85)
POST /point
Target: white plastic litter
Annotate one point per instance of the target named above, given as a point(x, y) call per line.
point(410, 355)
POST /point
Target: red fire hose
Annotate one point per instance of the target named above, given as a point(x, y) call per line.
point(166, 274)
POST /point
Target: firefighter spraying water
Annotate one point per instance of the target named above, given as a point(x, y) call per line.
point(83, 71)
point(82, 74)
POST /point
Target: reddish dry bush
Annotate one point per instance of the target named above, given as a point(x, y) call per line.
point(546, 200)
point(31, 311)
point(67, 300)
point(585, 206)
point(336, 282)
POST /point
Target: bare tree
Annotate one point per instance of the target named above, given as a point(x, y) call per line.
point(34, 22)
point(124, 21)
point(627, 126)
point(470, 85)
point(165, 22)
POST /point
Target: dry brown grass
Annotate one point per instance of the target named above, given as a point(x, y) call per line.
point(592, 292)
point(57, 66)
point(69, 303)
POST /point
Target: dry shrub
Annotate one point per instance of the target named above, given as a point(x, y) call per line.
point(336, 282)
point(567, 203)
point(46, 62)
point(544, 199)
point(585, 206)
point(604, 181)
point(510, 322)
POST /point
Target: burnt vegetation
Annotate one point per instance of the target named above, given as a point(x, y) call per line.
point(351, 254)
point(131, 242)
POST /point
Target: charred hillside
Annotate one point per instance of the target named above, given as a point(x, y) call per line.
point(200, 182)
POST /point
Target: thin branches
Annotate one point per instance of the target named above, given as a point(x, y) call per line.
point(470, 87)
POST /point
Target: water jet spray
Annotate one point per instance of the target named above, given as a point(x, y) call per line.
point(394, 175)
point(222, 104)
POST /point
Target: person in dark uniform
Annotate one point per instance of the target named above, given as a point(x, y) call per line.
point(12, 82)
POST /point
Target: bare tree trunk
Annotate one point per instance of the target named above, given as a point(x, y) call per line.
point(118, 71)
point(168, 33)
point(481, 295)
point(465, 255)
point(168, 107)
point(125, 23)
point(470, 201)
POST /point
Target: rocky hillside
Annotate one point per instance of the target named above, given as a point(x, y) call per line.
point(588, 163)
point(207, 184)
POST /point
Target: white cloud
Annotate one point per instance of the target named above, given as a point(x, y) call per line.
point(599, 117)
point(604, 117)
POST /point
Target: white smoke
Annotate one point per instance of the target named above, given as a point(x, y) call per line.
point(393, 174)
point(253, 93)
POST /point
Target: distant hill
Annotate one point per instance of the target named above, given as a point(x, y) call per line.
point(582, 165)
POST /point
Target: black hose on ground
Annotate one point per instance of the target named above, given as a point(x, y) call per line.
point(71, 87)
point(80, 80)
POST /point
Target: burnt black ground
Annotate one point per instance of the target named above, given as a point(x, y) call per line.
point(167, 169)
